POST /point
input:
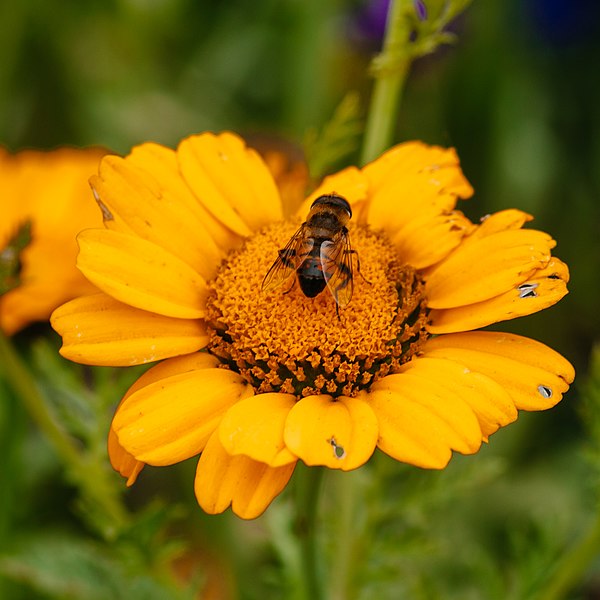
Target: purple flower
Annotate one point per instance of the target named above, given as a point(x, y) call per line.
point(372, 19)
point(420, 9)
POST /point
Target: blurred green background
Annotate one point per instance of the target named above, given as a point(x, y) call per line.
point(518, 96)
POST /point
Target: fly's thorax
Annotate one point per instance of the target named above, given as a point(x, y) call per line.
point(285, 341)
point(332, 202)
point(326, 224)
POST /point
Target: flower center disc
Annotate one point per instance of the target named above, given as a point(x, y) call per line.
point(282, 341)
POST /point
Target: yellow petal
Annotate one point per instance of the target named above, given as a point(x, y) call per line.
point(254, 427)
point(410, 181)
point(350, 183)
point(49, 189)
point(231, 181)
point(487, 267)
point(122, 194)
point(161, 163)
point(416, 157)
point(503, 220)
point(338, 433)
point(426, 240)
point(247, 485)
point(534, 375)
point(491, 404)
point(39, 294)
point(174, 366)
point(171, 420)
point(452, 419)
point(286, 163)
point(543, 289)
point(408, 431)
point(401, 201)
point(141, 274)
point(122, 461)
point(133, 201)
point(99, 330)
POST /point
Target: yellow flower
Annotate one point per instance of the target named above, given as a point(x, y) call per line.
point(254, 381)
point(47, 191)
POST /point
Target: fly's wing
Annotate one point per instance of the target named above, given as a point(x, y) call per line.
point(287, 261)
point(336, 261)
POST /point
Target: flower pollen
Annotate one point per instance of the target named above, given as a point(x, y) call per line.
point(282, 341)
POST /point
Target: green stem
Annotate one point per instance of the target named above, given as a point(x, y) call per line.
point(22, 383)
point(349, 532)
point(573, 567)
point(307, 496)
point(390, 68)
point(88, 478)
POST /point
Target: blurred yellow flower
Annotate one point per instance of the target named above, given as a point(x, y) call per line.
point(49, 192)
point(255, 381)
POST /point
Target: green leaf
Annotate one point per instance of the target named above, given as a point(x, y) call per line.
point(429, 34)
point(590, 413)
point(338, 139)
point(70, 568)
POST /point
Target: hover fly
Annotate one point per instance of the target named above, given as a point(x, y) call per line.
point(319, 253)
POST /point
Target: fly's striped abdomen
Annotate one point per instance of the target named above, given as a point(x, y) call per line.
point(310, 272)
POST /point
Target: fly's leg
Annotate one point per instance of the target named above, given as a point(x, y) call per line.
point(291, 286)
point(355, 253)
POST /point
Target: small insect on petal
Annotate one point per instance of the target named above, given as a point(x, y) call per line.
point(545, 391)
point(338, 451)
point(106, 214)
point(527, 290)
